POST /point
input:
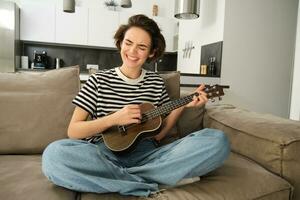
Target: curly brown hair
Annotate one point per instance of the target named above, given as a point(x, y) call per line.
point(158, 43)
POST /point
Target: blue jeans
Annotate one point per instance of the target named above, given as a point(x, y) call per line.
point(82, 166)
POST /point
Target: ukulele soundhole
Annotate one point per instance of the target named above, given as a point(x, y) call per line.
point(122, 130)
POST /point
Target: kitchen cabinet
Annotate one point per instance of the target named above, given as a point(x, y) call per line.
point(124, 16)
point(102, 25)
point(168, 29)
point(72, 28)
point(86, 26)
point(37, 22)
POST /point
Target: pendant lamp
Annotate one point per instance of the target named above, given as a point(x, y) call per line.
point(187, 9)
point(126, 4)
point(69, 6)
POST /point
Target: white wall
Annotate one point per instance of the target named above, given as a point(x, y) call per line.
point(208, 28)
point(295, 101)
point(258, 54)
point(165, 7)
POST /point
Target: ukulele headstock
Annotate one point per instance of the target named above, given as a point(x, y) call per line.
point(214, 91)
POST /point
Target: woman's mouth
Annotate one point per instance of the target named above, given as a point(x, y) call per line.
point(132, 58)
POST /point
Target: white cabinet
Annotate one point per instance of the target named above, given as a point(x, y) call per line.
point(124, 16)
point(86, 26)
point(102, 25)
point(168, 29)
point(72, 28)
point(37, 22)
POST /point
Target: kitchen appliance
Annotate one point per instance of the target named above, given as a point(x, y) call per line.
point(9, 36)
point(24, 62)
point(57, 63)
point(40, 60)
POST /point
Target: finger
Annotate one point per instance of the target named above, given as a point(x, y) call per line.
point(134, 121)
point(201, 87)
point(195, 98)
point(203, 99)
point(133, 106)
point(136, 116)
point(202, 93)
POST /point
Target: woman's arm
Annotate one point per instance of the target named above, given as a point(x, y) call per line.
point(80, 128)
point(172, 118)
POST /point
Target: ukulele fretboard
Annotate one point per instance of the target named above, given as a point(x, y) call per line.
point(168, 107)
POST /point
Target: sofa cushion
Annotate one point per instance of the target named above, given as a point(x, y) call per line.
point(272, 141)
point(239, 178)
point(36, 108)
point(21, 178)
point(172, 83)
point(190, 120)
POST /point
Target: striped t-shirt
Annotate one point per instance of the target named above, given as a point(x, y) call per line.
point(110, 90)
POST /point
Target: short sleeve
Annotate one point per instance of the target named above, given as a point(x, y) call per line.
point(87, 96)
point(164, 95)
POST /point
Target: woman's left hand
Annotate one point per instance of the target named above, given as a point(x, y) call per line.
point(199, 100)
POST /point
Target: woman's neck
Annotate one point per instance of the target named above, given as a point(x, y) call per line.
point(132, 73)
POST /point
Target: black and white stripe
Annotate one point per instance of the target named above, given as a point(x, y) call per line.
point(108, 91)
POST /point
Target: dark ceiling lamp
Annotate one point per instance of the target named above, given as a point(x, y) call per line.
point(126, 4)
point(69, 6)
point(187, 9)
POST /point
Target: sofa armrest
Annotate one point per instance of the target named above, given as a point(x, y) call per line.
point(271, 141)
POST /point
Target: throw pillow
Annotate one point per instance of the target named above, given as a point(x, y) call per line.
point(36, 108)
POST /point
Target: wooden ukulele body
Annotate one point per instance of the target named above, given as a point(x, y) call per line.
point(121, 139)
point(124, 138)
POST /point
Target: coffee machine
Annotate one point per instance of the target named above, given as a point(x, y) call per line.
point(40, 60)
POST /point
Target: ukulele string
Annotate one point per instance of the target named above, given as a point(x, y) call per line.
point(166, 108)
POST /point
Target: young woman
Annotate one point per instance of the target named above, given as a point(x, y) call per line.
point(113, 97)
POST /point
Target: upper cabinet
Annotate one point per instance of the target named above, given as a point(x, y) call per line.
point(87, 26)
point(72, 28)
point(37, 22)
point(102, 25)
point(124, 16)
point(168, 28)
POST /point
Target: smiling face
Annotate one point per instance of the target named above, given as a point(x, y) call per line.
point(135, 48)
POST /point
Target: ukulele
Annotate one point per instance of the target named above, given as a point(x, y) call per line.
point(121, 139)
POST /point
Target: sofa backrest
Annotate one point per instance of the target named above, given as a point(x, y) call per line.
point(172, 83)
point(35, 108)
point(191, 119)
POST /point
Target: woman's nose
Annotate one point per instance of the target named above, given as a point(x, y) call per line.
point(133, 49)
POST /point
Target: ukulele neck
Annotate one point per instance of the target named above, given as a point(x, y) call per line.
point(168, 107)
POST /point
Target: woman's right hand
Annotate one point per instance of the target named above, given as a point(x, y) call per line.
point(130, 114)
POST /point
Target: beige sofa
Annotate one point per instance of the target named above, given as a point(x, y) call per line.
point(35, 109)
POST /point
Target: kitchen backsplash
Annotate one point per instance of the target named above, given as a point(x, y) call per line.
point(105, 58)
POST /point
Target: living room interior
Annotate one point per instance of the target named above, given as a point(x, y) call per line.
point(250, 47)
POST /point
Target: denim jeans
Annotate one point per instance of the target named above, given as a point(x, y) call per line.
point(82, 166)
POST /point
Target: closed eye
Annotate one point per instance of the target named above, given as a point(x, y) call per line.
point(142, 47)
